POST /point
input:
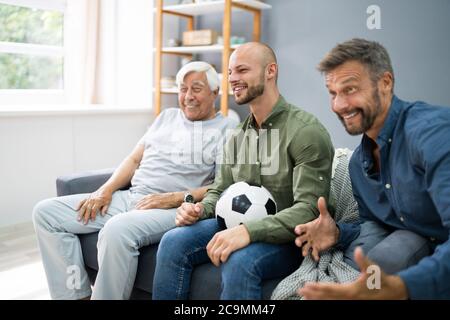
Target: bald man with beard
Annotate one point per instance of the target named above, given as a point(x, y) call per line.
point(296, 171)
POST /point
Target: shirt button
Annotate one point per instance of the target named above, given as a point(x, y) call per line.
point(321, 178)
point(270, 124)
point(402, 219)
point(432, 239)
point(258, 163)
point(388, 186)
point(390, 140)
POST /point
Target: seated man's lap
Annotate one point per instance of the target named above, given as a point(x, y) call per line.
point(263, 260)
point(189, 240)
point(143, 226)
point(400, 250)
point(371, 233)
point(391, 250)
point(273, 260)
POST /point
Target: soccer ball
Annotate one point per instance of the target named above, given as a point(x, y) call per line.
point(242, 202)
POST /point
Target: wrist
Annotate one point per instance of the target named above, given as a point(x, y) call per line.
point(188, 197)
point(178, 198)
point(106, 189)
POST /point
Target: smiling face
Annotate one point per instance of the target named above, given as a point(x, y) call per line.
point(196, 99)
point(246, 76)
point(355, 98)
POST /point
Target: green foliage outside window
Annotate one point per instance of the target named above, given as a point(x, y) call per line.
point(25, 25)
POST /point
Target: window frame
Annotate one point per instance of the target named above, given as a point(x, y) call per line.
point(35, 96)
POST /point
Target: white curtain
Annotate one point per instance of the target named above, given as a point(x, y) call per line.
point(109, 52)
point(81, 50)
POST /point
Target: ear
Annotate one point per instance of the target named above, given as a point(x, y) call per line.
point(386, 82)
point(271, 71)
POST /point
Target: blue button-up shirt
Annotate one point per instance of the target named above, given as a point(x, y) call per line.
point(411, 190)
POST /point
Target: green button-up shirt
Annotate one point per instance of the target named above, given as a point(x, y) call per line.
point(291, 155)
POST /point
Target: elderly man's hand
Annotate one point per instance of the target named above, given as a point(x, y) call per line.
point(226, 242)
point(160, 201)
point(390, 286)
point(97, 201)
point(188, 213)
point(319, 234)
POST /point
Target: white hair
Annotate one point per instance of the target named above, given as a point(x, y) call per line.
point(199, 66)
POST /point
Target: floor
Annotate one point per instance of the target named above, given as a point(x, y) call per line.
point(22, 275)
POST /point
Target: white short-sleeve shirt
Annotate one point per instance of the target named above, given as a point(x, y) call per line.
point(180, 154)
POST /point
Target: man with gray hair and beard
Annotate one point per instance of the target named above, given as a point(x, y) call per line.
point(297, 171)
point(400, 175)
point(174, 161)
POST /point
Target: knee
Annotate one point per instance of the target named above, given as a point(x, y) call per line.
point(173, 241)
point(42, 212)
point(400, 250)
point(238, 265)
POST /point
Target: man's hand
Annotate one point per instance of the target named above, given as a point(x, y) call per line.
point(97, 201)
point(188, 213)
point(319, 234)
point(226, 242)
point(391, 287)
point(160, 201)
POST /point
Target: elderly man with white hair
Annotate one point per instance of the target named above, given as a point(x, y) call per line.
point(173, 162)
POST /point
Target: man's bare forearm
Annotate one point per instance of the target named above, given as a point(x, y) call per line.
point(198, 195)
point(124, 173)
point(121, 176)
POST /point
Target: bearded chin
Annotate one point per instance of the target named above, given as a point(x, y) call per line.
point(368, 117)
point(252, 93)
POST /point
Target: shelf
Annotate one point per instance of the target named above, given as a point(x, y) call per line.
point(190, 13)
point(207, 7)
point(196, 49)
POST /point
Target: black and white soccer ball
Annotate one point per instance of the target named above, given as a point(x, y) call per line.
point(242, 202)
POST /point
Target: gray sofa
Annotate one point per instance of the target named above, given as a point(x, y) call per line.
point(205, 284)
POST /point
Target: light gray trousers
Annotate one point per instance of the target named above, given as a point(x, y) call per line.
point(122, 232)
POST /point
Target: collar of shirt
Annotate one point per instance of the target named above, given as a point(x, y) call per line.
point(279, 107)
point(384, 137)
point(386, 133)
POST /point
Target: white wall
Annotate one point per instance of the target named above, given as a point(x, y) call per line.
point(35, 150)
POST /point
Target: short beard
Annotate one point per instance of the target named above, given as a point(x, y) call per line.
point(253, 92)
point(367, 119)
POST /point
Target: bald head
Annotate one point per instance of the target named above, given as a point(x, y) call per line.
point(259, 51)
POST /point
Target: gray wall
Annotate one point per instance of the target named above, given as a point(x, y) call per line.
point(415, 32)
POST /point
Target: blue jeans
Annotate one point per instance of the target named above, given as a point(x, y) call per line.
point(181, 249)
point(393, 251)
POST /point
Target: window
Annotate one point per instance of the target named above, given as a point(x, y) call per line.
point(31, 47)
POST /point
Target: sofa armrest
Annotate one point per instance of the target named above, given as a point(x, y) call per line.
point(83, 182)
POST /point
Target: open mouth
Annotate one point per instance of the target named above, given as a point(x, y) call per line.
point(350, 115)
point(190, 105)
point(238, 89)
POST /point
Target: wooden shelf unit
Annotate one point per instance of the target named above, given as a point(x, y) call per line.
point(189, 12)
